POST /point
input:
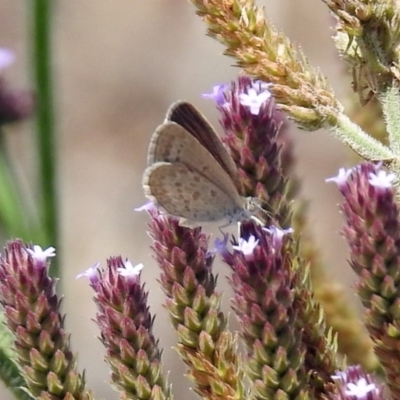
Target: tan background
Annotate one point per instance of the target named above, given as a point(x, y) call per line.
point(118, 65)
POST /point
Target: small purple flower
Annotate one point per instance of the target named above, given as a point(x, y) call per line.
point(7, 58)
point(382, 179)
point(247, 247)
point(254, 100)
point(220, 246)
point(277, 235)
point(92, 273)
point(217, 94)
point(341, 178)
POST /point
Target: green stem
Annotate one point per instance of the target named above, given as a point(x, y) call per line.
point(359, 141)
point(41, 26)
point(390, 100)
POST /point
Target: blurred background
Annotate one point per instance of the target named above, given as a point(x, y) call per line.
point(117, 67)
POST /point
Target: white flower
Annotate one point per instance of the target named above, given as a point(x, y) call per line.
point(359, 389)
point(246, 247)
point(341, 178)
point(41, 255)
point(129, 270)
point(382, 179)
point(254, 100)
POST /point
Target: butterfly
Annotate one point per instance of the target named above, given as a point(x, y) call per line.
point(190, 174)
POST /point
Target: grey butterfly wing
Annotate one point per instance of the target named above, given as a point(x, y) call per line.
point(172, 143)
point(186, 193)
point(187, 116)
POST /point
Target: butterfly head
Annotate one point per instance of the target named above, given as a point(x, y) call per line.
point(254, 209)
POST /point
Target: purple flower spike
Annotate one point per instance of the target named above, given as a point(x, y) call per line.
point(32, 311)
point(194, 307)
point(126, 331)
point(372, 230)
point(252, 123)
point(263, 281)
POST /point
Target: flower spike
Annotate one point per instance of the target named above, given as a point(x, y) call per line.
point(32, 311)
point(373, 232)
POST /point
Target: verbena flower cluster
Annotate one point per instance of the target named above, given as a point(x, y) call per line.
point(301, 340)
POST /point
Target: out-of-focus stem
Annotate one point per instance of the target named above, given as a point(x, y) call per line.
point(41, 64)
